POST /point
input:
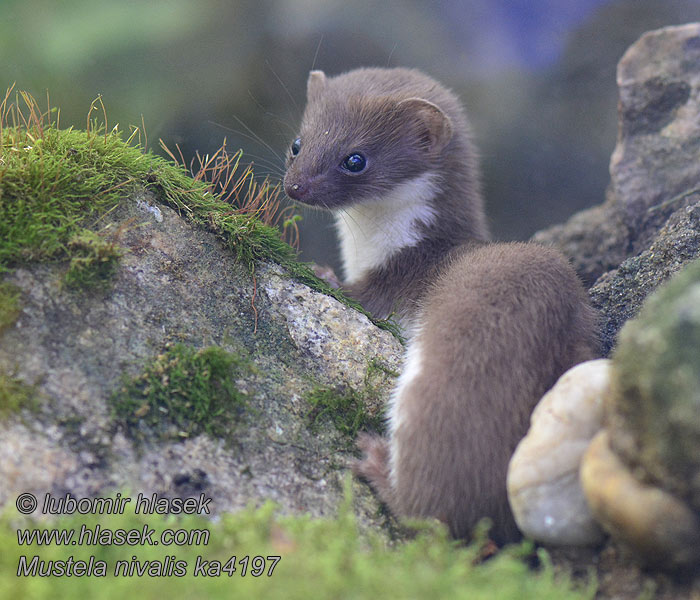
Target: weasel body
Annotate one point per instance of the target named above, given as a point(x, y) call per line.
point(492, 326)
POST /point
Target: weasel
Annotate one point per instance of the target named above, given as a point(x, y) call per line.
point(491, 326)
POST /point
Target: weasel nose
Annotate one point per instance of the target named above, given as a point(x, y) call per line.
point(296, 191)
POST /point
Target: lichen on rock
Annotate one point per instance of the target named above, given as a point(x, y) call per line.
point(654, 410)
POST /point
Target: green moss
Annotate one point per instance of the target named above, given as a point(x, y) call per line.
point(377, 368)
point(54, 185)
point(50, 186)
point(93, 263)
point(16, 395)
point(319, 558)
point(349, 409)
point(9, 305)
point(183, 392)
point(345, 408)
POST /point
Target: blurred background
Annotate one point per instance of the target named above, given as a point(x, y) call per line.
point(537, 78)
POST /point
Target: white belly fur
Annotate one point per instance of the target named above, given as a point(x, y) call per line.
point(411, 370)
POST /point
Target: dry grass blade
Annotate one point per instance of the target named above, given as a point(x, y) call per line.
point(26, 112)
point(236, 185)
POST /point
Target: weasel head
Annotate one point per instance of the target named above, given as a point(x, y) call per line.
point(363, 134)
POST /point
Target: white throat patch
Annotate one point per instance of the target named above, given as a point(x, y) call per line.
point(372, 231)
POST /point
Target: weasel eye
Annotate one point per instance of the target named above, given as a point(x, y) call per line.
point(354, 163)
point(296, 146)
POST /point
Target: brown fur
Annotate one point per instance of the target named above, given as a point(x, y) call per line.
point(497, 324)
point(498, 327)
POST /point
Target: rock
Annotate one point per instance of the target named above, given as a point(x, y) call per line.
point(648, 225)
point(658, 80)
point(619, 294)
point(662, 529)
point(642, 475)
point(543, 475)
point(334, 336)
point(654, 410)
point(594, 240)
point(178, 283)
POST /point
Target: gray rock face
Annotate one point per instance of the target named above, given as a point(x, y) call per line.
point(647, 228)
point(655, 163)
point(177, 283)
point(619, 294)
point(594, 240)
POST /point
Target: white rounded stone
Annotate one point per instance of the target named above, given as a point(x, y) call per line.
point(543, 476)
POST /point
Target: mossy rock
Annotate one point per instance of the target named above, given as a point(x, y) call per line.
point(183, 392)
point(654, 408)
point(158, 335)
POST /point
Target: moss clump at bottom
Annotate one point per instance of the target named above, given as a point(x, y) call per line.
point(9, 305)
point(94, 261)
point(15, 395)
point(318, 558)
point(349, 409)
point(183, 392)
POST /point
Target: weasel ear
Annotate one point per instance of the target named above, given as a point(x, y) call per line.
point(436, 122)
point(315, 84)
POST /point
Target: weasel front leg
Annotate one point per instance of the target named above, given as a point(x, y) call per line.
point(327, 273)
point(374, 465)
